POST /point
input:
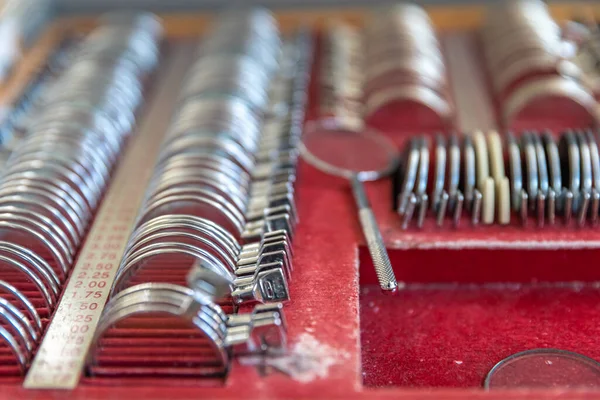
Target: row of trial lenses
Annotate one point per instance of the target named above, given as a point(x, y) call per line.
point(214, 336)
point(54, 179)
point(491, 176)
point(405, 61)
point(21, 22)
point(219, 178)
point(341, 76)
point(528, 58)
point(204, 166)
point(14, 123)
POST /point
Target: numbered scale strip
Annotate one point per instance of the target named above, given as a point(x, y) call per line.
point(60, 359)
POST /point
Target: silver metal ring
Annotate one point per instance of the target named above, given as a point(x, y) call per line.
point(587, 178)
point(439, 176)
point(531, 167)
point(595, 158)
point(553, 158)
point(25, 303)
point(570, 165)
point(542, 168)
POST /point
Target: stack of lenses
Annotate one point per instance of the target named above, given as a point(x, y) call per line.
point(28, 17)
point(205, 164)
point(218, 215)
point(14, 123)
point(528, 58)
point(21, 22)
point(404, 61)
point(341, 80)
point(54, 179)
point(198, 334)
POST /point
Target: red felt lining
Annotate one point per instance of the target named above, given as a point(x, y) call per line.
point(428, 336)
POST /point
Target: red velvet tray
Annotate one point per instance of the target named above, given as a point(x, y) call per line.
point(473, 296)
